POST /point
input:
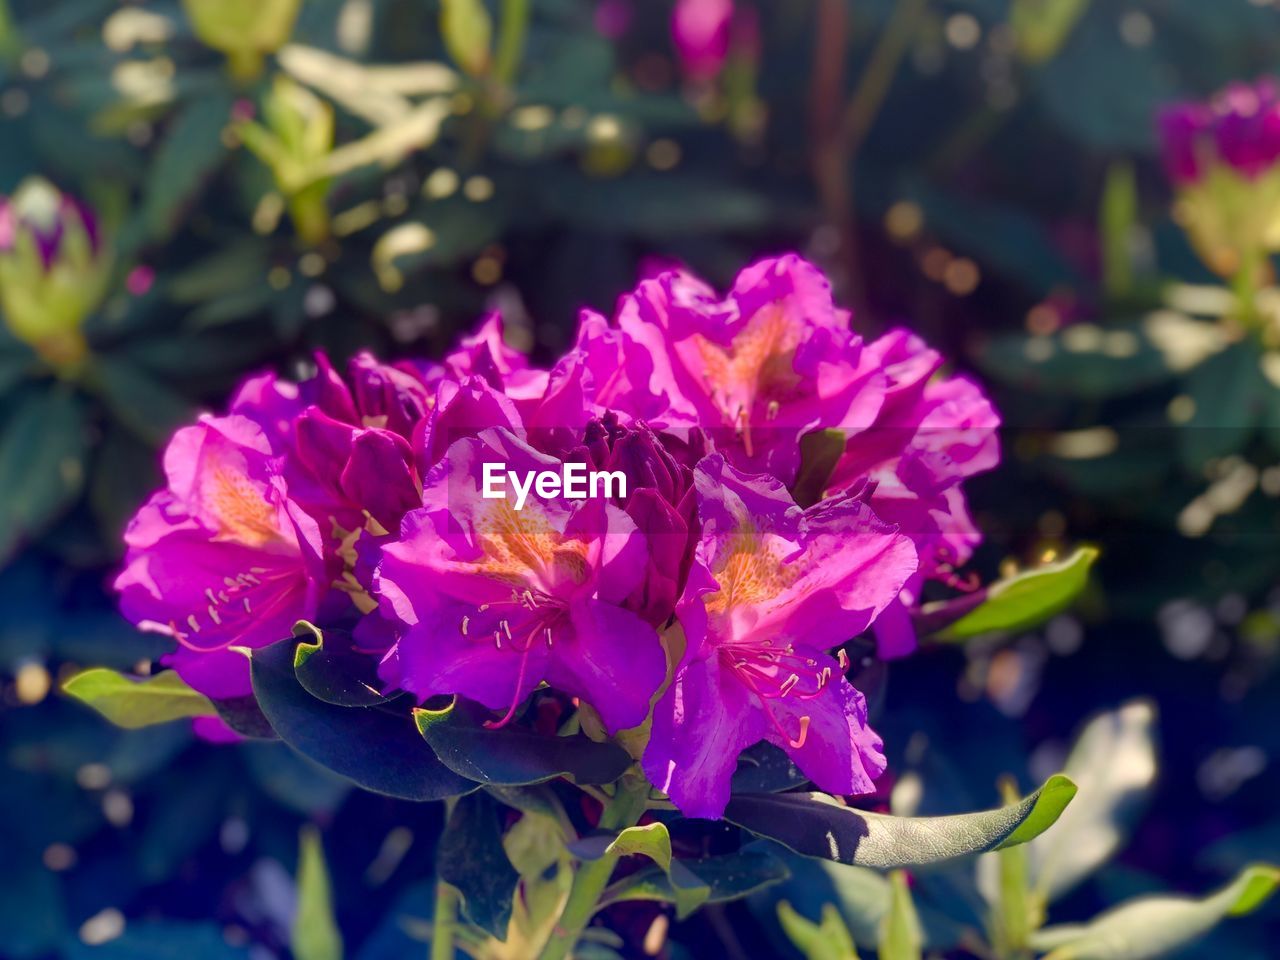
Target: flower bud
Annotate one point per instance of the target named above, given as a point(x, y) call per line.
point(244, 30)
point(700, 29)
point(1223, 158)
point(53, 270)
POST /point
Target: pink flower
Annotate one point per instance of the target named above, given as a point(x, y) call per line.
point(222, 556)
point(490, 601)
point(773, 589)
point(701, 29)
point(756, 370)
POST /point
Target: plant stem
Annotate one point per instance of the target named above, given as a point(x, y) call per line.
point(1245, 284)
point(444, 920)
point(622, 810)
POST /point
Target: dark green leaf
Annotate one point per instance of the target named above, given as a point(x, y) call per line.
point(373, 747)
point(245, 717)
point(330, 669)
point(134, 703)
point(472, 859)
point(1230, 396)
point(139, 401)
point(1027, 598)
point(765, 768)
point(1086, 361)
point(815, 825)
point(512, 755)
point(728, 877)
point(42, 452)
point(190, 152)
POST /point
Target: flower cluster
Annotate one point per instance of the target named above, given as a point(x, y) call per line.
point(695, 600)
point(1223, 157)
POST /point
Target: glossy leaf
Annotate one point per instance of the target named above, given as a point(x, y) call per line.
point(1027, 598)
point(330, 669)
point(372, 746)
point(134, 703)
point(1155, 926)
point(765, 768)
point(245, 717)
point(513, 756)
point(688, 891)
point(728, 877)
point(1113, 762)
point(471, 858)
point(827, 940)
point(315, 933)
point(815, 825)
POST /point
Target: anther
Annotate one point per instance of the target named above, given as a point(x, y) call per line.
point(804, 734)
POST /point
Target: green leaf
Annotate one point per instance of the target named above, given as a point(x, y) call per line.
point(471, 858)
point(371, 746)
point(149, 408)
point(1155, 926)
point(900, 934)
point(467, 30)
point(43, 445)
point(137, 703)
point(765, 768)
point(513, 756)
point(1085, 361)
point(688, 891)
point(315, 934)
point(728, 877)
point(815, 825)
point(245, 717)
point(820, 451)
point(332, 670)
point(189, 153)
point(1113, 762)
point(1025, 599)
point(1230, 395)
point(828, 940)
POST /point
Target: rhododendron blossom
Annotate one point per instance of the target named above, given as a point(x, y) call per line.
point(774, 590)
point(493, 601)
point(222, 556)
point(446, 515)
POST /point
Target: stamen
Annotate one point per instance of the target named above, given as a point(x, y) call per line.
point(465, 621)
point(804, 734)
point(842, 658)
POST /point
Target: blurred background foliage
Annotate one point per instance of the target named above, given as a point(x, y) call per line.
point(257, 180)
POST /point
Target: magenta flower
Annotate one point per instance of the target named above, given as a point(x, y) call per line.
point(701, 30)
point(661, 500)
point(756, 370)
point(1239, 129)
point(222, 556)
point(490, 601)
point(773, 589)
